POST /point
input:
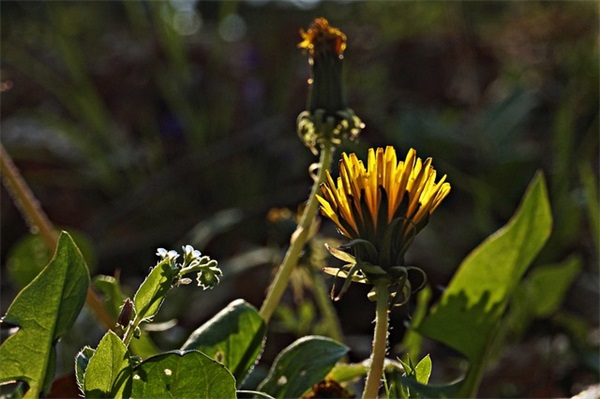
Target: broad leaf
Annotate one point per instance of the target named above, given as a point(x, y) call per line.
point(301, 365)
point(152, 291)
point(234, 337)
point(108, 373)
point(180, 374)
point(547, 285)
point(469, 311)
point(44, 311)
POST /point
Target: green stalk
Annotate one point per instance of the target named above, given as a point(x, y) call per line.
point(300, 236)
point(379, 343)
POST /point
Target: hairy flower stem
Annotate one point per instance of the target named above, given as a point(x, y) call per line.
point(379, 343)
point(38, 221)
point(299, 238)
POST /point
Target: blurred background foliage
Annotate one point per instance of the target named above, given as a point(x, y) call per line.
point(145, 124)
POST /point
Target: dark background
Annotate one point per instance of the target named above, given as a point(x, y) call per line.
point(145, 124)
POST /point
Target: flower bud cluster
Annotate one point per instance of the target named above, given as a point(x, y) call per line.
point(208, 272)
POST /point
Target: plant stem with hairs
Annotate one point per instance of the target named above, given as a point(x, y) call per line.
point(299, 239)
point(379, 343)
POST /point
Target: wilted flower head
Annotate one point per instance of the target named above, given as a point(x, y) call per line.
point(381, 207)
point(321, 39)
point(327, 119)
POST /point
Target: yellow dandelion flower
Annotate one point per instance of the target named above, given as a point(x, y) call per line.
point(383, 205)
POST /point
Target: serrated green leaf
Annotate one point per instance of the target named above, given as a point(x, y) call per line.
point(152, 291)
point(82, 359)
point(108, 373)
point(301, 365)
point(44, 311)
point(481, 288)
point(181, 374)
point(234, 337)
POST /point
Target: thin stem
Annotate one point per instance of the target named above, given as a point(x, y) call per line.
point(290, 260)
point(38, 221)
point(379, 343)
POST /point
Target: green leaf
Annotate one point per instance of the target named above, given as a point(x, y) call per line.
point(546, 286)
point(82, 359)
point(108, 373)
point(469, 311)
point(423, 370)
point(113, 294)
point(143, 346)
point(401, 380)
point(181, 374)
point(152, 291)
point(30, 255)
point(301, 365)
point(538, 296)
point(26, 259)
point(114, 298)
point(234, 337)
point(44, 311)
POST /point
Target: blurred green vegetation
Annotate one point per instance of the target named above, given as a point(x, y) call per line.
point(144, 124)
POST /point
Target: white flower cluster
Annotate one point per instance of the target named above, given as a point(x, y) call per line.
point(207, 269)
